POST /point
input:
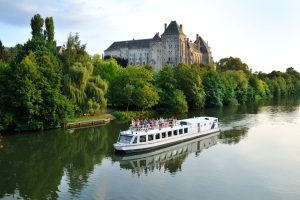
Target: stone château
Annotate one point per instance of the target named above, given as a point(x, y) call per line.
point(172, 47)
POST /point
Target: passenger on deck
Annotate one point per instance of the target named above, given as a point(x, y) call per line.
point(137, 123)
point(145, 123)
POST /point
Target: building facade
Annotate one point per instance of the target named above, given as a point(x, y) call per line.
point(172, 47)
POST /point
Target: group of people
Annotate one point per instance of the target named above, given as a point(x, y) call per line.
point(152, 123)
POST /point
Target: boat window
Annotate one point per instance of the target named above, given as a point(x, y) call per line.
point(186, 130)
point(170, 134)
point(135, 140)
point(163, 135)
point(175, 132)
point(143, 138)
point(125, 139)
point(150, 137)
point(180, 131)
point(157, 136)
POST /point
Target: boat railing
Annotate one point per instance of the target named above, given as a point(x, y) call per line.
point(153, 125)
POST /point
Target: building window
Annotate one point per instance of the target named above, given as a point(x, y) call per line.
point(170, 134)
point(163, 135)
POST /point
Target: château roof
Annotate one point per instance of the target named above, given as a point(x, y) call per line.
point(134, 44)
point(173, 29)
point(203, 46)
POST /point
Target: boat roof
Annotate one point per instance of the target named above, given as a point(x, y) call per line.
point(197, 119)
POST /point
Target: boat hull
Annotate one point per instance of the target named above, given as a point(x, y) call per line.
point(134, 149)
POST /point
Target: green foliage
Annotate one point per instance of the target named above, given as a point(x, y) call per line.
point(232, 64)
point(81, 85)
point(6, 54)
point(2, 51)
point(214, 89)
point(238, 82)
point(37, 23)
point(107, 69)
point(189, 81)
point(49, 32)
point(139, 80)
point(32, 98)
point(120, 115)
point(171, 98)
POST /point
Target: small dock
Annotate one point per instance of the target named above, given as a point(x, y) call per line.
point(86, 123)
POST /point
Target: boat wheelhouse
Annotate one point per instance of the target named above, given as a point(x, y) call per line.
point(166, 132)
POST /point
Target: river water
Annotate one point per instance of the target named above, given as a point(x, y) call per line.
point(256, 156)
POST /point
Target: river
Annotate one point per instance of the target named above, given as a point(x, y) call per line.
point(256, 156)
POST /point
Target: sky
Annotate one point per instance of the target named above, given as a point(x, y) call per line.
point(265, 34)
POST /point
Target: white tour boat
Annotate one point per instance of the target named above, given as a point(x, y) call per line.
point(164, 133)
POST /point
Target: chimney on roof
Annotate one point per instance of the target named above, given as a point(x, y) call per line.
point(165, 26)
point(197, 37)
point(180, 26)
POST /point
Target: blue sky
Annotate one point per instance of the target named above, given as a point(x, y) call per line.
point(263, 33)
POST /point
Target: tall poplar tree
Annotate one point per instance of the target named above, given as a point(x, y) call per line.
point(36, 24)
point(49, 32)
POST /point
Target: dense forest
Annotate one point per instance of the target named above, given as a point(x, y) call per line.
point(40, 87)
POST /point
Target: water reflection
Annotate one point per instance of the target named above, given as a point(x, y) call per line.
point(166, 159)
point(233, 136)
point(35, 165)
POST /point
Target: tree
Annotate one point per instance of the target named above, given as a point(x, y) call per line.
point(213, 88)
point(33, 97)
point(37, 23)
point(84, 88)
point(49, 32)
point(121, 61)
point(140, 79)
point(171, 98)
point(2, 51)
point(239, 82)
point(145, 96)
point(32, 94)
point(189, 81)
point(128, 91)
point(232, 64)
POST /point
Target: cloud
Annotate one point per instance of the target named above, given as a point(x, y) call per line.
point(260, 33)
point(15, 13)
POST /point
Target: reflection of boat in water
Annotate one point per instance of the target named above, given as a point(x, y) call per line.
point(165, 133)
point(166, 156)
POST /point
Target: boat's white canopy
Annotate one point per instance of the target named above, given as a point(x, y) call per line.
point(195, 120)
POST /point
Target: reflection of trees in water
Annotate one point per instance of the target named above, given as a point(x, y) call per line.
point(167, 159)
point(233, 136)
point(34, 164)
